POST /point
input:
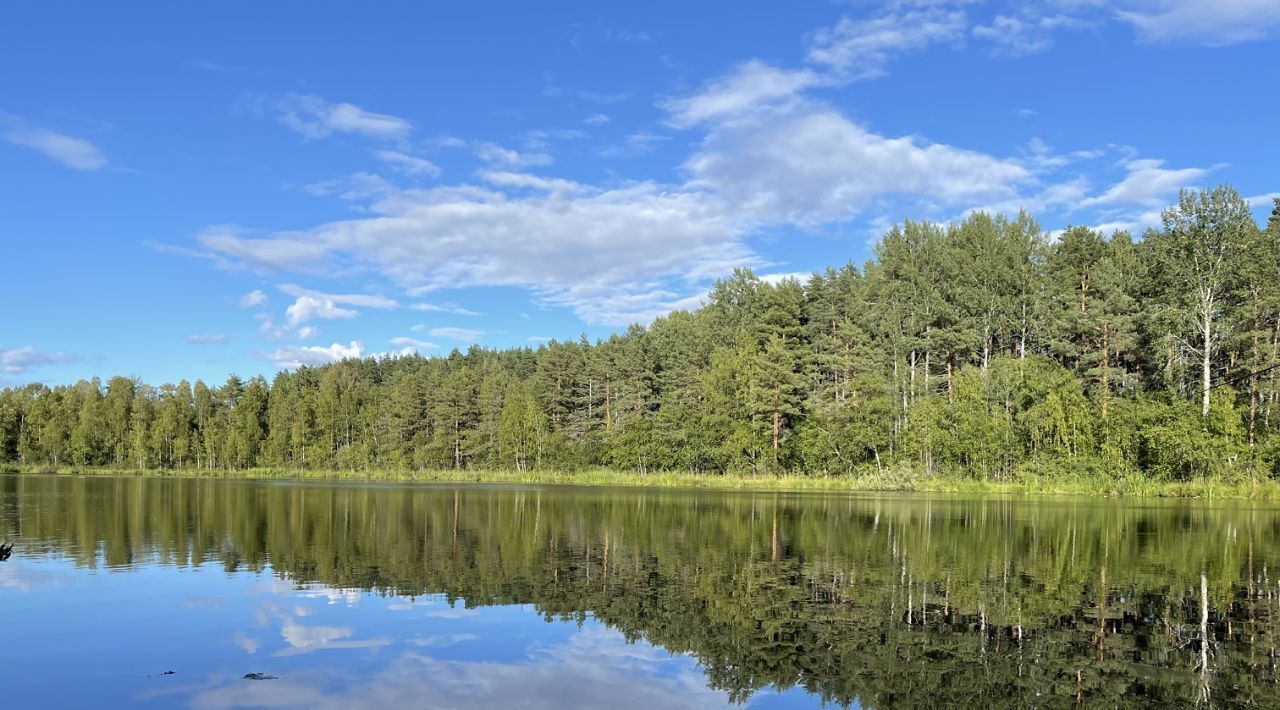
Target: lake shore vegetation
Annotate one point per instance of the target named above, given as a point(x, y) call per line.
point(984, 354)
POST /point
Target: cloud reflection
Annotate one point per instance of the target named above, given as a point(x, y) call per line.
point(596, 668)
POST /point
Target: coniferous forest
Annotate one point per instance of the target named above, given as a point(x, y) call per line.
point(985, 348)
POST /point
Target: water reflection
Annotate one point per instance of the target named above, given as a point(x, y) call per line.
point(440, 596)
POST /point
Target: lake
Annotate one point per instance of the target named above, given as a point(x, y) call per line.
point(169, 592)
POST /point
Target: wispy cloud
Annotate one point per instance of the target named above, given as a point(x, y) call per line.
point(18, 361)
point(466, 335)
point(408, 164)
point(403, 342)
point(207, 339)
point(494, 153)
point(313, 117)
point(443, 308)
point(1213, 23)
point(73, 152)
point(253, 299)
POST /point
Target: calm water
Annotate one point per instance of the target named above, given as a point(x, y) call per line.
point(459, 597)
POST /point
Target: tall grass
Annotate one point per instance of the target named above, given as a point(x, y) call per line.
point(894, 479)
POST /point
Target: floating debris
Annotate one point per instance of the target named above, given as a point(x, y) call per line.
point(259, 676)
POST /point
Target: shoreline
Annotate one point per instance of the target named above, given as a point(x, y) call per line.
point(887, 482)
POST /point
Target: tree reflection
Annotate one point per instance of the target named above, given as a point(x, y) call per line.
point(889, 602)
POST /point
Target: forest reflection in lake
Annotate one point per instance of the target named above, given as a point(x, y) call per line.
point(403, 595)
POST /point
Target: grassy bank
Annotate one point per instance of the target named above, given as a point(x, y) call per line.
point(902, 480)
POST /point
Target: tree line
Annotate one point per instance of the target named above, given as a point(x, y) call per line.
point(985, 348)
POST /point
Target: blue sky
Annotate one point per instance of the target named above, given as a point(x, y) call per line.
point(192, 191)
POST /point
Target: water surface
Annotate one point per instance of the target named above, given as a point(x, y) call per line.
point(476, 596)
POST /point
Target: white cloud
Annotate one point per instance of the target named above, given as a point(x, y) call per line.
point(504, 178)
point(1266, 200)
point(288, 358)
point(306, 308)
point(595, 119)
point(1019, 36)
point(210, 339)
point(314, 117)
point(859, 49)
point(443, 308)
point(307, 332)
point(466, 335)
point(413, 343)
point(1148, 182)
point(750, 84)
point(811, 164)
point(315, 304)
point(448, 142)
point(593, 251)
point(17, 361)
point(494, 153)
point(538, 339)
point(408, 164)
point(633, 144)
point(362, 300)
point(1206, 22)
point(72, 152)
point(775, 279)
point(594, 668)
point(356, 186)
point(253, 299)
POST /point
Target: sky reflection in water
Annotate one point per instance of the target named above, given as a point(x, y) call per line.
point(82, 637)
point(384, 596)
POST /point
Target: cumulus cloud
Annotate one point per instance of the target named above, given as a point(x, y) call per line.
point(292, 357)
point(769, 154)
point(73, 152)
point(314, 117)
point(310, 305)
point(307, 308)
point(17, 361)
point(812, 164)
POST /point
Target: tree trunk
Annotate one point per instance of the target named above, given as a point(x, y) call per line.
point(777, 420)
point(1106, 379)
point(1206, 356)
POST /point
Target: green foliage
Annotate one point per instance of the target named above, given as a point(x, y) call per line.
point(980, 351)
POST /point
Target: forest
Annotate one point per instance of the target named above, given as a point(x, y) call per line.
point(985, 349)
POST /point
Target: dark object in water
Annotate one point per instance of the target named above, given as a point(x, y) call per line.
point(259, 676)
point(6, 551)
point(167, 673)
